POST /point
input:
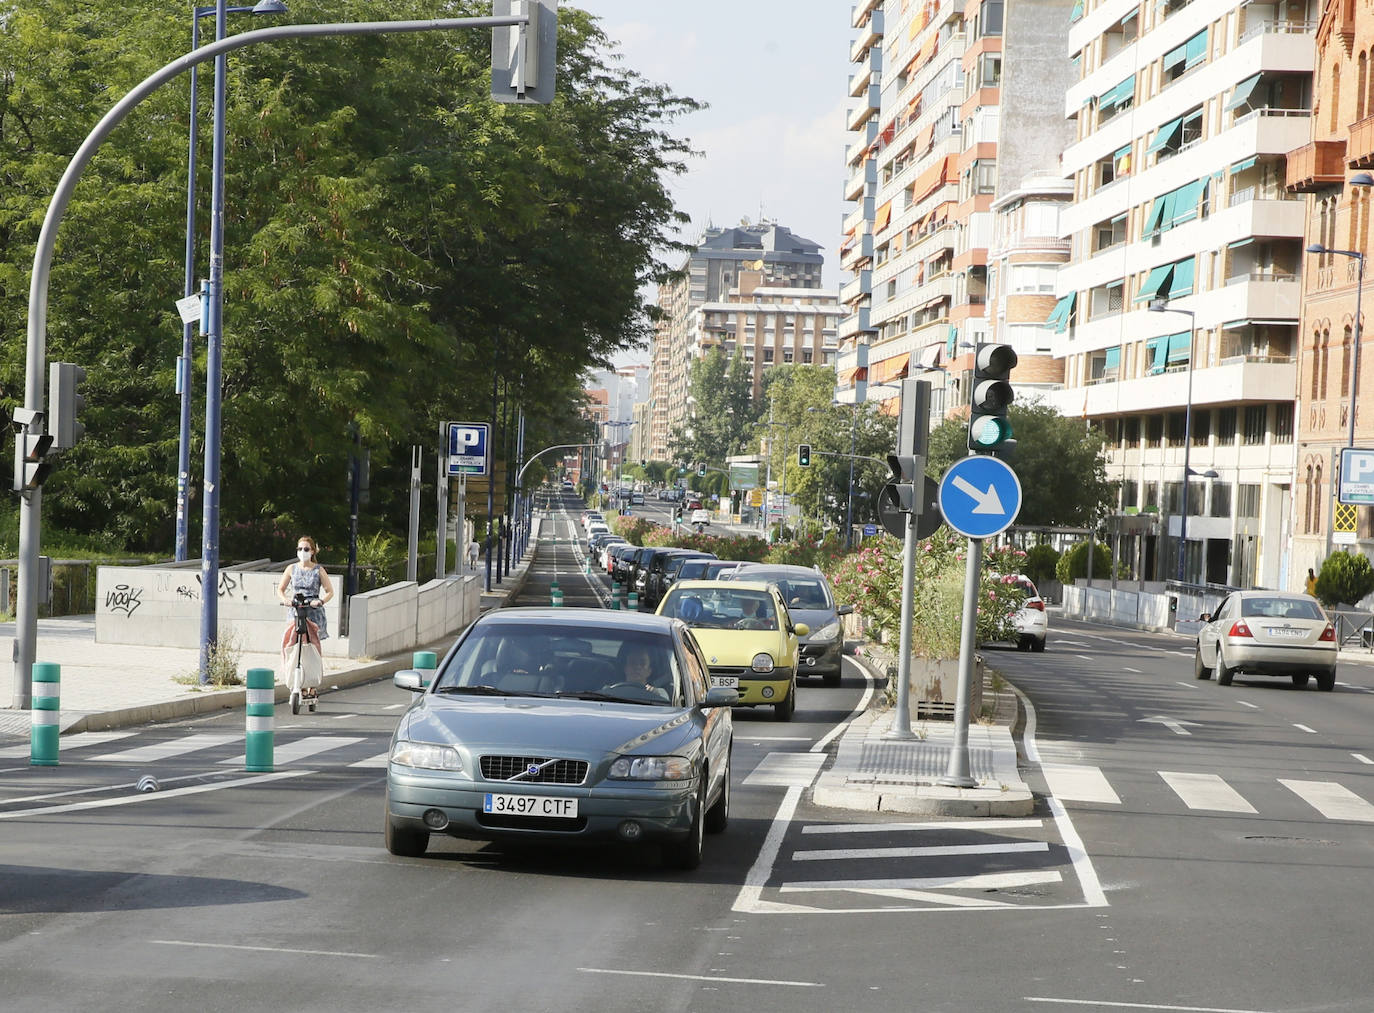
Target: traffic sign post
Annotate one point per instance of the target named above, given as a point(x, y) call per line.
point(1357, 476)
point(469, 446)
point(979, 497)
point(913, 440)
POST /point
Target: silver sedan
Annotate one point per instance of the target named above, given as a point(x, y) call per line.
point(1267, 633)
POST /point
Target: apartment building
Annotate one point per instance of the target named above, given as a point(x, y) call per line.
point(1177, 314)
point(709, 272)
point(1332, 169)
point(957, 104)
point(768, 325)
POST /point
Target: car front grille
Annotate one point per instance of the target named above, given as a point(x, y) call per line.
point(516, 768)
point(738, 673)
point(544, 824)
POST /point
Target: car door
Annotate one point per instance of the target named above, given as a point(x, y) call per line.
point(716, 721)
point(1208, 636)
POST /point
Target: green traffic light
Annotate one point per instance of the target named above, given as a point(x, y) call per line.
point(989, 431)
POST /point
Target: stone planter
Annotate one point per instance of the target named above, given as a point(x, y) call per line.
point(934, 685)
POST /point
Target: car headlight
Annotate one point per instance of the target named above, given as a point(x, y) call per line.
point(429, 755)
point(827, 632)
point(762, 663)
point(652, 768)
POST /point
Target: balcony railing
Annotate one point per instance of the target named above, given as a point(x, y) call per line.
point(1359, 148)
point(1278, 28)
point(1316, 165)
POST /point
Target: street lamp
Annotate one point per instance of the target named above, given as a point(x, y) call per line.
point(1162, 306)
point(188, 329)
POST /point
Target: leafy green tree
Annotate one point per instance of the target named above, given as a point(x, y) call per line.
point(1060, 462)
point(721, 389)
point(1074, 563)
point(1345, 579)
point(1041, 562)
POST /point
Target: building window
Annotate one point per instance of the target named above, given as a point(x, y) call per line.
point(1226, 427)
point(1130, 434)
point(1109, 233)
point(807, 356)
point(1154, 430)
point(990, 18)
point(1151, 500)
point(990, 70)
point(1202, 427)
point(1032, 277)
point(1221, 500)
point(1248, 498)
point(1283, 424)
point(1130, 493)
point(1256, 416)
point(1177, 421)
point(1173, 497)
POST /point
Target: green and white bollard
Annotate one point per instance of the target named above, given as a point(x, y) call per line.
point(555, 595)
point(47, 711)
point(261, 700)
point(633, 603)
point(425, 661)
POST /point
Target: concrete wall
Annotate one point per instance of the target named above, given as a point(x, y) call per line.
point(402, 616)
point(160, 607)
point(1142, 609)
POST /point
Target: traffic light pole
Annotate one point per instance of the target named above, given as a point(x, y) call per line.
point(913, 438)
point(957, 774)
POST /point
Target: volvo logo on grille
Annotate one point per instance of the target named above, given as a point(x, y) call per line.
point(532, 769)
point(713, 659)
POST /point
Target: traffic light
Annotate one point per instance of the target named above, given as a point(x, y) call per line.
point(804, 454)
point(31, 466)
point(989, 430)
point(900, 491)
point(523, 59)
point(701, 471)
point(64, 404)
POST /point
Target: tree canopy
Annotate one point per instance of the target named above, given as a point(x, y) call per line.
point(400, 250)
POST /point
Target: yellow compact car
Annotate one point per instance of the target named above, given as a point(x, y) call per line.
point(749, 639)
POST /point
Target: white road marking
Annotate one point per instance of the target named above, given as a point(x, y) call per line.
point(1108, 1004)
point(1074, 782)
point(147, 796)
point(865, 828)
point(66, 742)
point(1332, 800)
point(1247, 703)
point(265, 949)
point(340, 717)
point(946, 900)
point(1362, 758)
point(380, 760)
point(1304, 728)
point(1186, 685)
point(1174, 725)
point(1133, 670)
point(300, 749)
point(92, 789)
point(702, 977)
point(977, 881)
point(1206, 791)
point(787, 769)
point(395, 706)
point(170, 748)
point(929, 851)
point(1087, 657)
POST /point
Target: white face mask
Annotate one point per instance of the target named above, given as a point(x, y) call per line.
point(303, 555)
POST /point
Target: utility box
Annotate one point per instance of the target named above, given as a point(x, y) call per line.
point(934, 687)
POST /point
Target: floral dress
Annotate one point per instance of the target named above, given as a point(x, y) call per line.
point(306, 581)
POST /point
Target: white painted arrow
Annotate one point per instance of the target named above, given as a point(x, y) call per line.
point(1174, 725)
point(988, 502)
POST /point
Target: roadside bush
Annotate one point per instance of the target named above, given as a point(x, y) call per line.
point(1345, 579)
point(1074, 563)
point(633, 529)
point(1041, 562)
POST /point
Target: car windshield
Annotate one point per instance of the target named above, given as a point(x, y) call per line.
point(556, 661)
point(1280, 608)
point(804, 593)
point(721, 609)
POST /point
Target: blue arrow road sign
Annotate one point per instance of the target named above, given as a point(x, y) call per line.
point(467, 448)
point(980, 496)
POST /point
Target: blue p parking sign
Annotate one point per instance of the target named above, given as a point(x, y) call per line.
point(1357, 476)
point(467, 448)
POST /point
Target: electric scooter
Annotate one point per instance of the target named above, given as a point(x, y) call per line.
point(305, 671)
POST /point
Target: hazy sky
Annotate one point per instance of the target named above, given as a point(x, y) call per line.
point(774, 74)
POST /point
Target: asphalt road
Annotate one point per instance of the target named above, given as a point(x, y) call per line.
point(232, 891)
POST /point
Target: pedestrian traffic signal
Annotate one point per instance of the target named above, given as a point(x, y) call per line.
point(804, 454)
point(31, 466)
point(64, 404)
point(989, 430)
point(900, 491)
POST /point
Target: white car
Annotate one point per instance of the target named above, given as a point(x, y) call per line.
point(1031, 621)
point(701, 517)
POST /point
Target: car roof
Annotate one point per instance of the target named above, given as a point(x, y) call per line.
point(781, 569)
point(1260, 593)
point(591, 618)
point(727, 585)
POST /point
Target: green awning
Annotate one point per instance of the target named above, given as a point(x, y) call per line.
point(1180, 347)
point(1123, 92)
point(1077, 12)
point(1058, 320)
point(1241, 95)
point(1159, 212)
point(1113, 357)
point(1159, 349)
point(1182, 282)
point(1196, 49)
point(1157, 277)
point(1184, 207)
point(1240, 242)
point(1243, 164)
point(1165, 135)
point(1175, 56)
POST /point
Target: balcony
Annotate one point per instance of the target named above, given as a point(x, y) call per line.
point(1316, 165)
point(870, 34)
point(854, 323)
point(1359, 148)
point(860, 285)
point(859, 116)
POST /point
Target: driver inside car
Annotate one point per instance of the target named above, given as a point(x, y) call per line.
point(638, 668)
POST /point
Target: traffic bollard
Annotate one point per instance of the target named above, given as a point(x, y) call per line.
point(47, 711)
point(555, 595)
point(260, 705)
point(615, 603)
point(424, 662)
point(633, 603)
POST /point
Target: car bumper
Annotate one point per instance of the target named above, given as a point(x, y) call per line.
point(819, 658)
point(1280, 660)
point(659, 813)
point(753, 692)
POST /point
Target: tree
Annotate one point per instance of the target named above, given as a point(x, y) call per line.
point(399, 250)
point(1060, 461)
point(721, 390)
point(1345, 579)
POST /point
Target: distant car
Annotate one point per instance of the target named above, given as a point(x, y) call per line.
point(662, 573)
point(1267, 633)
point(597, 528)
point(636, 499)
point(810, 599)
point(700, 516)
point(693, 504)
point(747, 635)
point(1031, 620)
point(541, 724)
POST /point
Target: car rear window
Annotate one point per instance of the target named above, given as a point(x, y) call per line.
point(1280, 608)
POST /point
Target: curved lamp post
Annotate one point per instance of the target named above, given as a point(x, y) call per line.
point(1162, 306)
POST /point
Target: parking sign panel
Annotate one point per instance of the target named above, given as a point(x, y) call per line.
point(468, 443)
point(1357, 476)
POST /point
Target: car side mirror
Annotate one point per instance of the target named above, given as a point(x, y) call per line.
point(410, 678)
point(845, 610)
point(720, 696)
point(801, 629)
point(1206, 617)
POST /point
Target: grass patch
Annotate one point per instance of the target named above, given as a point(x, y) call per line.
point(224, 664)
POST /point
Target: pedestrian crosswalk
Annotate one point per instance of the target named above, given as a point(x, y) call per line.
point(222, 749)
point(1205, 792)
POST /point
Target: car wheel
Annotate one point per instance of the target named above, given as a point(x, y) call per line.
point(686, 854)
point(1224, 672)
point(718, 816)
point(1326, 681)
point(403, 841)
point(1023, 643)
point(784, 710)
point(1200, 671)
point(1300, 680)
point(1038, 646)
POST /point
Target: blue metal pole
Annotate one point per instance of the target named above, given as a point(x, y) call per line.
point(214, 350)
point(187, 330)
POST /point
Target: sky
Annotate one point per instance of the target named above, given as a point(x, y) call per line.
point(774, 74)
